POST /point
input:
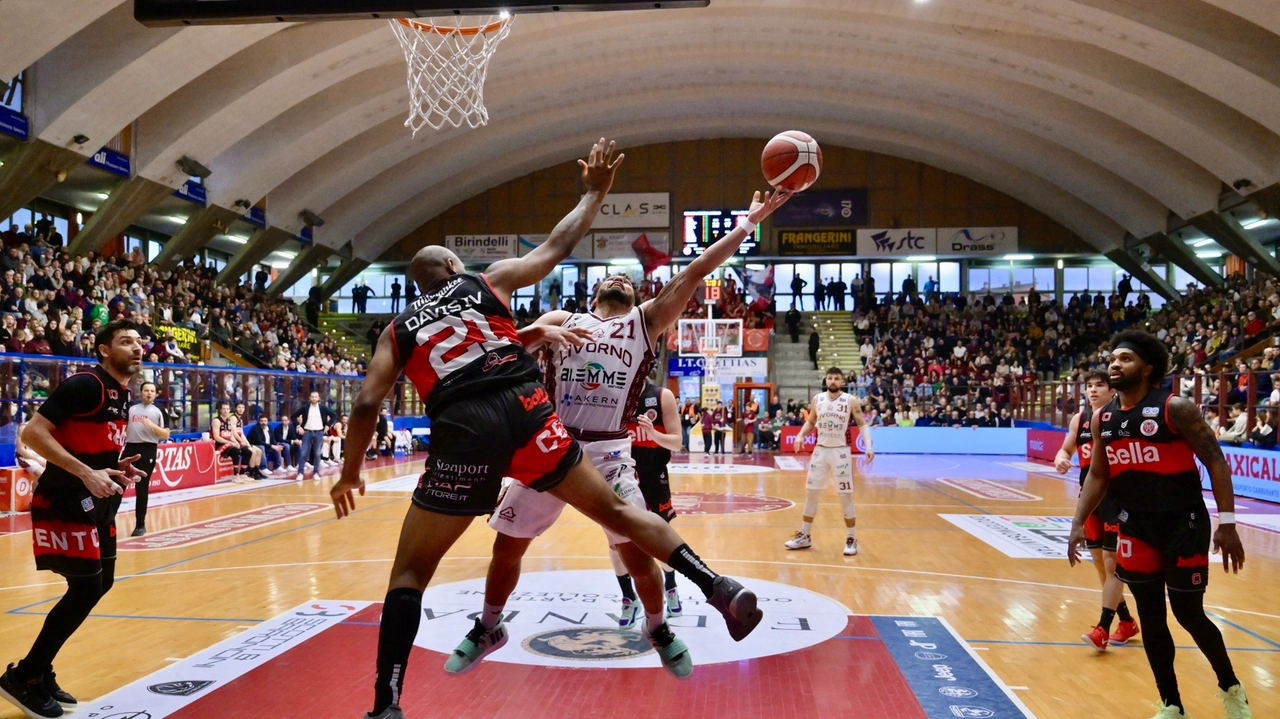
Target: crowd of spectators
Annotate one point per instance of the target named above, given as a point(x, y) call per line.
point(51, 303)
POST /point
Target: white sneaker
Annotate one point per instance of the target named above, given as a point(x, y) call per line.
point(850, 546)
point(301, 476)
point(1168, 712)
point(1235, 703)
point(800, 541)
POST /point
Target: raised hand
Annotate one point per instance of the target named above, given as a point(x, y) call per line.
point(598, 168)
point(555, 336)
point(762, 208)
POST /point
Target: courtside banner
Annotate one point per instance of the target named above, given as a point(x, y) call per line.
point(182, 465)
point(1043, 444)
point(787, 440)
point(1254, 473)
point(477, 248)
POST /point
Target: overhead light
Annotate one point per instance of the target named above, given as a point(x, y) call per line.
point(191, 168)
point(623, 263)
point(1258, 223)
point(504, 14)
point(278, 265)
point(1205, 241)
point(1059, 264)
point(101, 195)
point(177, 219)
point(237, 239)
point(921, 258)
point(287, 255)
point(79, 218)
point(1019, 257)
point(1210, 253)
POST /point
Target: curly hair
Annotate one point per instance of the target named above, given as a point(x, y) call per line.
point(1148, 348)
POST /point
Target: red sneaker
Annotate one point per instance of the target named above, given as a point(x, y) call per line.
point(1096, 638)
point(1124, 632)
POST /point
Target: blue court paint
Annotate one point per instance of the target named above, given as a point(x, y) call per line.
point(947, 681)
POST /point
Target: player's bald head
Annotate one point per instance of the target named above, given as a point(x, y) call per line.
point(433, 263)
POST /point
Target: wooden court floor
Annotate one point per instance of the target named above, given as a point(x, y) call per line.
point(1022, 616)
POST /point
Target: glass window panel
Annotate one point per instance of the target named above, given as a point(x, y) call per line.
point(881, 273)
point(1156, 301)
point(828, 272)
point(346, 289)
point(979, 279)
point(1102, 278)
point(662, 274)
point(1001, 279)
point(1075, 279)
point(61, 225)
point(805, 272)
point(344, 305)
point(901, 271)
point(1045, 279)
point(949, 276)
point(782, 274)
point(1022, 278)
point(568, 276)
point(153, 249)
point(925, 271)
point(849, 270)
point(378, 306)
point(301, 288)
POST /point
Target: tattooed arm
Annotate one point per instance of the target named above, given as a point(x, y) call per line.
point(1185, 419)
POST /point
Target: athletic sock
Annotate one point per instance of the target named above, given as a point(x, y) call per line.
point(806, 527)
point(653, 621)
point(669, 580)
point(1122, 611)
point(624, 583)
point(401, 614)
point(1108, 615)
point(852, 532)
point(492, 615)
point(684, 560)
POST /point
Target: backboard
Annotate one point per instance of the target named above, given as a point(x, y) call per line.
point(693, 332)
point(159, 13)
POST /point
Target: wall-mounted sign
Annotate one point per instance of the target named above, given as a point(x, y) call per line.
point(898, 242)
point(635, 210)
point(824, 208)
point(815, 242)
point(970, 241)
point(482, 248)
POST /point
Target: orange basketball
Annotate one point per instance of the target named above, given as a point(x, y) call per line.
point(792, 161)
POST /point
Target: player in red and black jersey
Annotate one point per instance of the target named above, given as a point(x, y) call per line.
point(80, 430)
point(490, 418)
point(1101, 527)
point(1145, 445)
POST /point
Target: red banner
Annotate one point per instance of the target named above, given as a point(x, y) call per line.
point(1043, 444)
point(15, 490)
point(181, 465)
point(787, 440)
point(756, 341)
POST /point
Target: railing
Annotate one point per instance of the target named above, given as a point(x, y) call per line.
point(188, 394)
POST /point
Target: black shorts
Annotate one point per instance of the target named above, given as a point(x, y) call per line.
point(71, 530)
point(476, 441)
point(655, 487)
point(1101, 527)
point(1170, 547)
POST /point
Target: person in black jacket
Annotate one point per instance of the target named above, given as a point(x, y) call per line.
point(814, 342)
point(261, 436)
point(314, 418)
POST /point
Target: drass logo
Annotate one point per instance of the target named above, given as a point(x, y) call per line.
point(591, 644)
point(179, 689)
point(885, 242)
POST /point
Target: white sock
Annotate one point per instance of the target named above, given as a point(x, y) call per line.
point(806, 527)
point(853, 532)
point(653, 621)
point(491, 616)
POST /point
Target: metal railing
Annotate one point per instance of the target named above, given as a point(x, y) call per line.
point(189, 394)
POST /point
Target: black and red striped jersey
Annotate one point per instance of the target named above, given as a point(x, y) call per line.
point(643, 446)
point(1084, 441)
point(90, 415)
point(1153, 468)
point(459, 338)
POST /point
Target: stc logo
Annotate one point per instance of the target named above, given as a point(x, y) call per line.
point(1133, 453)
point(884, 242)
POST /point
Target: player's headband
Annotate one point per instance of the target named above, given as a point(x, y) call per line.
point(1142, 354)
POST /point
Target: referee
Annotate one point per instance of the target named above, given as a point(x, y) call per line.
point(146, 430)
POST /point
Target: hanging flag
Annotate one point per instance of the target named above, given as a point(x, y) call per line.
point(650, 257)
point(760, 288)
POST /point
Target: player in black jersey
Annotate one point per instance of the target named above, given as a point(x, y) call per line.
point(80, 430)
point(1145, 445)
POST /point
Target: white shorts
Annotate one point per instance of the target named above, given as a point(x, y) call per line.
point(526, 513)
point(828, 461)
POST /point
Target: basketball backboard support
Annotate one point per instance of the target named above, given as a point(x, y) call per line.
point(692, 336)
point(162, 13)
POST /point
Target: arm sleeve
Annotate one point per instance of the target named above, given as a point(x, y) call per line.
point(78, 395)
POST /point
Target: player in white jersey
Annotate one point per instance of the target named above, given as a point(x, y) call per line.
point(829, 415)
point(595, 387)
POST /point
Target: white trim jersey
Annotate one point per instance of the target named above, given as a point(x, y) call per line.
point(831, 419)
point(597, 386)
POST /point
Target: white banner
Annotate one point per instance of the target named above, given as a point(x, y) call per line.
point(635, 210)
point(480, 248)
point(970, 241)
point(1018, 537)
point(581, 251)
point(617, 245)
point(898, 242)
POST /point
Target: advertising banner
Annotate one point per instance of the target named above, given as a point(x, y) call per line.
point(185, 337)
point(1254, 472)
point(635, 210)
point(815, 242)
point(617, 245)
point(970, 241)
point(182, 465)
point(898, 242)
point(581, 251)
point(15, 490)
point(757, 341)
point(482, 248)
point(1043, 444)
point(14, 123)
point(824, 208)
point(114, 162)
point(727, 367)
point(787, 440)
point(192, 191)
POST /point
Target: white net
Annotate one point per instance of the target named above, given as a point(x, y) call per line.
point(709, 346)
point(448, 62)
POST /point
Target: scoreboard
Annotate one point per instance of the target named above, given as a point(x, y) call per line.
point(703, 227)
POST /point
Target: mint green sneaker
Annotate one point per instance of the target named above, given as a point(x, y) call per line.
point(630, 610)
point(1235, 703)
point(674, 608)
point(673, 652)
point(478, 644)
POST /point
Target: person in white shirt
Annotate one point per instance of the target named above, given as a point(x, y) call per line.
point(829, 416)
point(1238, 431)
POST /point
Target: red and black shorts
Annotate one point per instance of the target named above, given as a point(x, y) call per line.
point(71, 530)
point(1101, 527)
point(655, 485)
point(476, 441)
point(1170, 547)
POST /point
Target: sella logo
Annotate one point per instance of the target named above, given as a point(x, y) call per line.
point(1133, 453)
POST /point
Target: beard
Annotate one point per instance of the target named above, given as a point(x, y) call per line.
point(1125, 382)
point(614, 295)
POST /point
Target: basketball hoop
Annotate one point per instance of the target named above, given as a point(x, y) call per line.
point(709, 346)
point(448, 63)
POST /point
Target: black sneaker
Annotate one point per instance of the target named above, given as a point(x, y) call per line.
point(29, 696)
point(139, 531)
point(738, 606)
point(51, 685)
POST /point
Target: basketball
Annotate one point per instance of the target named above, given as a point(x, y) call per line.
point(791, 161)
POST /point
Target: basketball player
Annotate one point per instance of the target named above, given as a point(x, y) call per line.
point(146, 431)
point(832, 456)
point(490, 418)
point(1100, 529)
point(1145, 445)
point(598, 387)
point(651, 448)
point(80, 430)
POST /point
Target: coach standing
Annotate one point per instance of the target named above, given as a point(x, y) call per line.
point(146, 430)
point(315, 418)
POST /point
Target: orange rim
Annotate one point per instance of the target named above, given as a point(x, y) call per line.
point(465, 31)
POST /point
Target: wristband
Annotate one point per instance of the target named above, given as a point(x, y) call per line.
point(746, 224)
point(1226, 517)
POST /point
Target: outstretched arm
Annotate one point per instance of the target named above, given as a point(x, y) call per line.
point(1185, 418)
point(662, 311)
point(507, 276)
point(384, 370)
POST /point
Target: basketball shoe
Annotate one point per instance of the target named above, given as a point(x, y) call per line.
point(1096, 638)
point(673, 652)
point(850, 547)
point(1235, 703)
point(30, 696)
point(391, 712)
point(800, 541)
point(478, 644)
point(630, 608)
point(737, 605)
point(1124, 632)
point(51, 685)
point(674, 608)
point(1169, 712)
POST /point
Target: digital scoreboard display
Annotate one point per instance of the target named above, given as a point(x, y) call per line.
point(703, 227)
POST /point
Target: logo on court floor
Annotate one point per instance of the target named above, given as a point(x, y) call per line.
point(957, 692)
point(180, 688)
point(592, 644)
point(712, 503)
